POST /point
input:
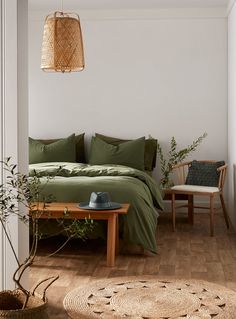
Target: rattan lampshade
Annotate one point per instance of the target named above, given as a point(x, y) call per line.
point(62, 49)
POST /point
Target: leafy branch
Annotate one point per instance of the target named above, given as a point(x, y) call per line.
point(175, 156)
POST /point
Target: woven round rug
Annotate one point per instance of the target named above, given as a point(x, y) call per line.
point(148, 297)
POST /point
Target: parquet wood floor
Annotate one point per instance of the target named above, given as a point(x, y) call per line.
point(188, 253)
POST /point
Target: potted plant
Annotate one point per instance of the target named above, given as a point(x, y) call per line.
point(20, 196)
point(173, 157)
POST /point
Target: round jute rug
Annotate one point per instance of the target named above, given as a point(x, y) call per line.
point(148, 297)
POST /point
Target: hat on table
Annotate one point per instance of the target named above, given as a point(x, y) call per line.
point(99, 201)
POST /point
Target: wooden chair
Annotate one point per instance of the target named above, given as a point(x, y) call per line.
point(192, 190)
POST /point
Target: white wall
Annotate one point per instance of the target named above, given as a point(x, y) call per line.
point(158, 76)
point(232, 112)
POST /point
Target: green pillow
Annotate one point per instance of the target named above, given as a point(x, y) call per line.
point(129, 153)
point(79, 147)
point(150, 151)
point(204, 173)
point(59, 151)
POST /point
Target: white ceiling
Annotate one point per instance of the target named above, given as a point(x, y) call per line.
point(124, 4)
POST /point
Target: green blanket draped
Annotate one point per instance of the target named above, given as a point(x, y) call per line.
point(74, 182)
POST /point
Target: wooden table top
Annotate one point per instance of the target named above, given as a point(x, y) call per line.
point(58, 210)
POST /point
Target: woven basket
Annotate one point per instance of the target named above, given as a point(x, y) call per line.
point(36, 308)
point(11, 302)
point(62, 49)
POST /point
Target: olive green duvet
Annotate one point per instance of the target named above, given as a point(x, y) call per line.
point(74, 182)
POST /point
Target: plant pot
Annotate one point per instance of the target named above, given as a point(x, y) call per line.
point(12, 301)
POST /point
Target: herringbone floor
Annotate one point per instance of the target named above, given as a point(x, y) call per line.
point(188, 253)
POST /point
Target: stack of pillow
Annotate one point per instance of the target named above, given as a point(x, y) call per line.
point(70, 149)
point(139, 153)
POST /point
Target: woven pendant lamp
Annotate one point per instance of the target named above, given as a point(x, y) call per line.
point(62, 49)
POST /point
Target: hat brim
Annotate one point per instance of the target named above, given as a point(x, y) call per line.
point(85, 205)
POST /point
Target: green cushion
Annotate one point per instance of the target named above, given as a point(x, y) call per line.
point(59, 151)
point(204, 174)
point(150, 151)
point(79, 146)
point(129, 153)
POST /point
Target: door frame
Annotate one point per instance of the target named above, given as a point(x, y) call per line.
point(13, 119)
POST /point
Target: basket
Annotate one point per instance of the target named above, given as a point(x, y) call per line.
point(36, 309)
point(11, 302)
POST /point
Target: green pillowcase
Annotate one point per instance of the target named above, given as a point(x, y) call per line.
point(79, 146)
point(150, 151)
point(127, 153)
point(204, 174)
point(59, 151)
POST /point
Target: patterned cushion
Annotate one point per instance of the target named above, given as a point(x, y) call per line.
point(203, 174)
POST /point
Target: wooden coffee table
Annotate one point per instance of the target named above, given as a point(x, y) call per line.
point(57, 210)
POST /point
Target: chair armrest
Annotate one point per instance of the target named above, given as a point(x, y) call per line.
point(221, 168)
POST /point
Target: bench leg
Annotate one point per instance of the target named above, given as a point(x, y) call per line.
point(117, 236)
point(111, 240)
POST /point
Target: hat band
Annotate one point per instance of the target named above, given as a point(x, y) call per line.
point(99, 205)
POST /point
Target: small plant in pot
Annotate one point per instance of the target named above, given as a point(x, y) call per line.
point(20, 196)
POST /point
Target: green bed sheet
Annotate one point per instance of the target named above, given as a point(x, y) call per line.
point(74, 182)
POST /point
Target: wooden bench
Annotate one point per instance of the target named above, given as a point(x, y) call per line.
point(57, 211)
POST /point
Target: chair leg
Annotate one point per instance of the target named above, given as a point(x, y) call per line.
point(226, 216)
point(212, 219)
point(173, 210)
point(190, 210)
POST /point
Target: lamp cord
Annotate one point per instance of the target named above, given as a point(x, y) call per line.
point(62, 7)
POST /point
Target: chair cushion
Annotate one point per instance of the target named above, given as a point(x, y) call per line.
point(204, 174)
point(195, 188)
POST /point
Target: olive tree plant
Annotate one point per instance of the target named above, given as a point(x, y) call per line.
point(21, 196)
